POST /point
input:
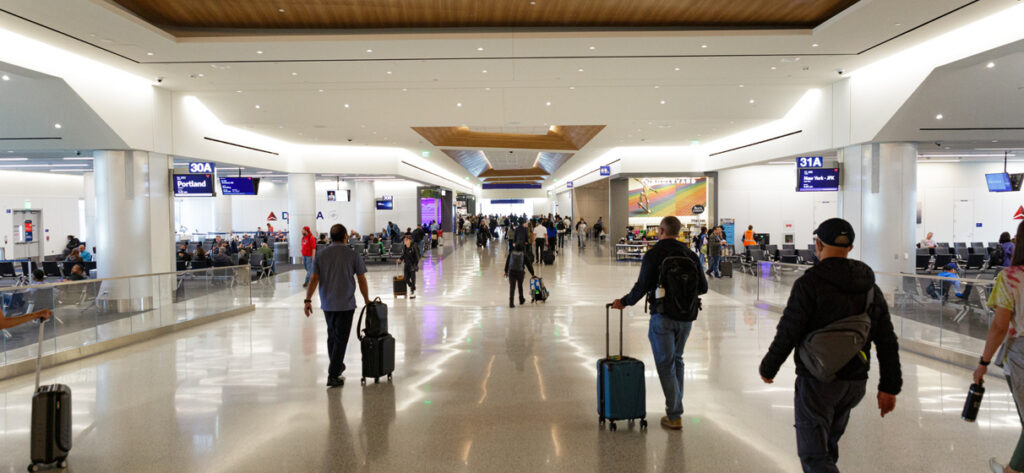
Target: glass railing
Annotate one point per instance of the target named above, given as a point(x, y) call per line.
point(943, 312)
point(98, 310)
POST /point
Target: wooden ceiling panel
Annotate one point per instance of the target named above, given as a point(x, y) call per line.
point(184, 17)
point(568, 138)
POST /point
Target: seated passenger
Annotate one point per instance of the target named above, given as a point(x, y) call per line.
point(243, 257)
point(220, 258)
point(201, 255)
point(38, 277)
point(84, 253)
point(77, 273)
point(74, 257)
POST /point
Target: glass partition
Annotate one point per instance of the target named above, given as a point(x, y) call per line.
point(92, 311)
point(940, 311)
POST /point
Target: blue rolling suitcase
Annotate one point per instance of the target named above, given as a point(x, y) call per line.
point(621, 389)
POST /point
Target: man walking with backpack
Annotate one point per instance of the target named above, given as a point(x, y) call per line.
point(672, 280)
point(516, 264)
point(835, 311)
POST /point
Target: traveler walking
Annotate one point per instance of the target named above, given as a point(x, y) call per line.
point(418, 237)
point(336, 270)
point(552, 235)
point(308, 252)
point(1006, 297)
point(715, 253)
point(411, 258)
point(540, 233)
point(517, 261)
point(560, 227)
point(835, 295)
point(672, 281)
point(1007, 245)
point(581, 233)
point(698, 245)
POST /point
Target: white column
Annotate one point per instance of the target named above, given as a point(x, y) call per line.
point(161, 211)
point(364, 200)
point(301, 210)
point(221, 210)
point(89, 183)
point(879, 198)
point(123, 230)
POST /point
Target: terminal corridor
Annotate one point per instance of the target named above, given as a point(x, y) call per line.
point(481, 387)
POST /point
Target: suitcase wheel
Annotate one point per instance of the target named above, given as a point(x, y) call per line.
point(643, 424)
point(33, 467)
point(389, 378)
point(612, 426)
point(376, 380)
point(600, 420)
point(362, 381)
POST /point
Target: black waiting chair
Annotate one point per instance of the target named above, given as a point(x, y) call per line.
point(807, 257)
point(959, 245)
point(942, 245)
point(52, 269)
point(181, 265)
point(772, 251)
point(7, 270)
point(923, 262)
point(976, 262)
point(942, 260)
point(962, 254)
point(201, 264)
point(924, 251)
point(788, 247)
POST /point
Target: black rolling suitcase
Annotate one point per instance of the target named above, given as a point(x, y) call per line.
point(548, 256)
point(400, 287)
point(378, 347)
point(51, 420)
point(725, 267)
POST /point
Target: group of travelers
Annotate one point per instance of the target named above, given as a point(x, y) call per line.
point(708, 246)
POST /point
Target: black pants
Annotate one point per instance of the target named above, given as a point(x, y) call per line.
point(561, 240)
point(540, 247)
point(515, 279)
point(339, 327)
point(410, 278)
point(822, 414)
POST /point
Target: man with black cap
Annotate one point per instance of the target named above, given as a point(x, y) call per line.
point(836, 289)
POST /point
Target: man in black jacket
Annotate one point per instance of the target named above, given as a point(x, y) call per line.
point(515, 272)
point(668, 337)
point(833, 289)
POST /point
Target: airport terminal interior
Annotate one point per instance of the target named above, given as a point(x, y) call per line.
point(173, 171)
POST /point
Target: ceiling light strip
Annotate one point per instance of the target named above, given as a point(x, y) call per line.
point(1009, 128)
point(240, 146)
point(757, 143)
point(437, 175)
point(30, 138)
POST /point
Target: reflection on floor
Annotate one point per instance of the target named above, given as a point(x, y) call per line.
point(480, 387)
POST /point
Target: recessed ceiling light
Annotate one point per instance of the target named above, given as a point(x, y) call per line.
point(369, 50)
point(995, 141)
point(663, 102)
point(533, 3)
point(548, 104)
point(5, 77)
point(572, 87)
point(479, 49)
point(657, 87)
point(938, 117)
point(257, 107)
point(814, 45)
point(259, 52)
point(741, 86)
point(579, 70)
point(346, 105)
point(483, 71)
point(405, 90)
point(899, 24)
point(990, 65)
point(593, 48)
point(459, 104)
point(320, 90)
point(238, 91)
point(389, 73)
point(149, 54)
point(773, 68)
point(487, 89)
point(57, 126)
point(295, 73)
point(677, 68)
point(751, 100)
point(202, 75)
point(280, 10)
point(703, 46)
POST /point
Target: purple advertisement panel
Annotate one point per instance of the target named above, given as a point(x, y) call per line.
point(430, 210)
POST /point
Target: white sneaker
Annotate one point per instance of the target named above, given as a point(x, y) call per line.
point(995, 466)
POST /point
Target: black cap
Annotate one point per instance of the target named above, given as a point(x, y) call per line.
point(835, 232)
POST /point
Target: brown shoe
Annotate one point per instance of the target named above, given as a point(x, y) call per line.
point(676, 424)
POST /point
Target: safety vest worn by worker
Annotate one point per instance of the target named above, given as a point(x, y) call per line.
point(748, 238)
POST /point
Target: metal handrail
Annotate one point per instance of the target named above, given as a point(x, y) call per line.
point(883, 273)
point(118, 278)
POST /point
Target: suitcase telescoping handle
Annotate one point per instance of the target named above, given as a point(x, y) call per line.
point(607, 331)
point(39, 352)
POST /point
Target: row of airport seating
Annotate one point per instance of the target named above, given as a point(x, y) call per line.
point(20, 271)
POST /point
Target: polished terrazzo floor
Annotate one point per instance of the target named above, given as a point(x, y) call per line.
point(479, 387)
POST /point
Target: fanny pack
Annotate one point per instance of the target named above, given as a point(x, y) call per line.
point(827, 350)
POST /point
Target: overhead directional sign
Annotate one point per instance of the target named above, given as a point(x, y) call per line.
point(606, 170)
point(568, 184)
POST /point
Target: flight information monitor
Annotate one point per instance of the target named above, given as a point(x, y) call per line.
point(998, 182)
point(817, 180)
point(193, 185)
point(239, 185)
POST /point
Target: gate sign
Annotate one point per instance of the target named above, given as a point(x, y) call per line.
point(271, 217)
point(28, 230)
point(606, 170)
point(200, 168)
point(697, 209)
point(568, 185)
point(809, 162)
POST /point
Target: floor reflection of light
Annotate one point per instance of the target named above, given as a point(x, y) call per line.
point(554, 440)
point(487, 377)
point(540, 379)
point(465, 452)
point(435, 368)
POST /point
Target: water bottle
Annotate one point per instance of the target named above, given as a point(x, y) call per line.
point(973, 404)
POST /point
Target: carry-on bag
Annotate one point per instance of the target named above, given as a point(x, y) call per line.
point(725, 267)
point(400, 286)
point(621, 388)
point(538, 293)
point(51, 420)
point(376, 318)
point(378, 353)
point(548, 256)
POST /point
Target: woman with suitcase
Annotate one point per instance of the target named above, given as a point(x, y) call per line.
point(411, 259)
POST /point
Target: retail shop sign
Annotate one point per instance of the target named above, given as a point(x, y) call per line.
point(606, 170)
point(568, 185)
point(697, 209)
point(201, 168)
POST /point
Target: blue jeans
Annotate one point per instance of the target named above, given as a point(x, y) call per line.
point(307, 262)
point(715, 268)
point(703, 260)
point(668, 338)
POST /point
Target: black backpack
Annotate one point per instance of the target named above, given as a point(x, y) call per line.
point(678, 277)
point(515, 262)
point(998, 257)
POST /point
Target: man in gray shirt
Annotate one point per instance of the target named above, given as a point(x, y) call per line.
point(336, 269)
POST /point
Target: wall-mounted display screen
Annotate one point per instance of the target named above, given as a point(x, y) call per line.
point(817, 180)
point(430, 210)
point(663, 197)
point(239, 185)
point(193, 185)
point(385, 205)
